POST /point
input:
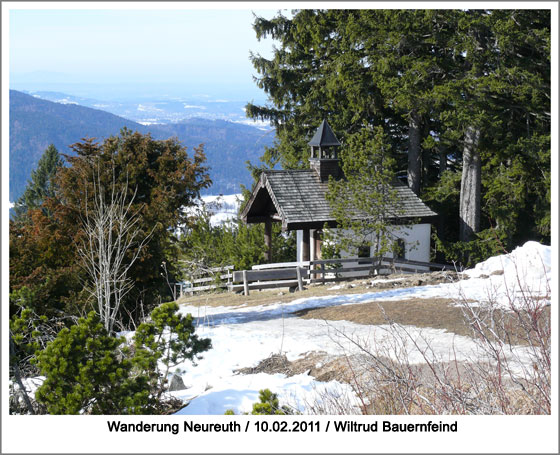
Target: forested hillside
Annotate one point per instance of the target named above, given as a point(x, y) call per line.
point(36, 123)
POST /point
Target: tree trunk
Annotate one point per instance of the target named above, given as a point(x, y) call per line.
point(18, 379)
point(442, 160)
point(469, 204)
point(414, 152)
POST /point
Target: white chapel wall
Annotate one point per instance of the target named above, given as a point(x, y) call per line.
point(416, 239)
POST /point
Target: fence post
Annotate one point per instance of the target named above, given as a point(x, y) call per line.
point(299, 280)
point(245, 283)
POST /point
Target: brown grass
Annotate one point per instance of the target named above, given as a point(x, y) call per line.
point(359, 286)
point(437, 313)
point(267, 297)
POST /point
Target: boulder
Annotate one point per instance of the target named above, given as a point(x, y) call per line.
point(176, 383)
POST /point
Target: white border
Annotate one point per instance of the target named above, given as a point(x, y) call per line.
point(51, 434)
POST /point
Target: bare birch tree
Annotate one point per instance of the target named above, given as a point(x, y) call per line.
point(112, 230)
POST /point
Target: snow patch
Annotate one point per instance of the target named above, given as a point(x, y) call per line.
point(244, 335)
point(507, 278)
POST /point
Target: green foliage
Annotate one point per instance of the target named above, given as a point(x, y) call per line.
point(365, 201)
point(87, 371)
point(168, 338)
point(25, 333)
point(41, 185)
point(163, 180)
point(268, 405)
point(443, 197)
point(486, 244)
point(232, 243)
point(449, 69)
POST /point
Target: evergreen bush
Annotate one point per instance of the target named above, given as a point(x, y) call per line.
point(88, 371)
point(167, 338)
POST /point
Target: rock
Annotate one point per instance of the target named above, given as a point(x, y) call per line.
point(176, 383)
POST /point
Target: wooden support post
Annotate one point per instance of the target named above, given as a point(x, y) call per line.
point(317, 242)
point(305, 246)
point(268, 240)
point(299, 279)
point(245, 283)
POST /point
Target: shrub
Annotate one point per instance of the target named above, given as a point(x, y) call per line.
point(268, 405)
point(168, 338)
point(87, 372)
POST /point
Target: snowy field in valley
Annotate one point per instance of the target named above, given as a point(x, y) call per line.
point(223, 208)
point(242, 336)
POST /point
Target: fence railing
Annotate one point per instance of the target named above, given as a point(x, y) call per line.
point(296, 274)
point(269, 278)
point(281, 265)
point(210, 279)
point(349, 268)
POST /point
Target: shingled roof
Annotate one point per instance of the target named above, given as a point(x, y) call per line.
point(324, 136)
point(297, 198)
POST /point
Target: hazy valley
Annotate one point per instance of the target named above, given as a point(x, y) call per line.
point(57, 118)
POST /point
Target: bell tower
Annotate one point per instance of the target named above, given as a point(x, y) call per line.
point(324, 153)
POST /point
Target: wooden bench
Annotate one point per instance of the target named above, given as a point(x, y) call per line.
point(269, 278)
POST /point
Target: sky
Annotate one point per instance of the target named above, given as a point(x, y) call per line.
point(199, 47)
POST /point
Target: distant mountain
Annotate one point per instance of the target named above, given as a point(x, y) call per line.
point(35, 123)
point(149, 109)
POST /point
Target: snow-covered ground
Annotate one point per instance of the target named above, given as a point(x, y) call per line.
point(242, 336)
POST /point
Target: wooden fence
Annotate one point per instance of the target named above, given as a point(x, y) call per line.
point(336, 270)
point(214, 278)
point(269, 278)
point(297, 274)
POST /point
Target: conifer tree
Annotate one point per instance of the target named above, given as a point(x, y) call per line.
point(42, 184)
point(365, 201)
point(86, 373)
point(464, 96)
point(168, 339)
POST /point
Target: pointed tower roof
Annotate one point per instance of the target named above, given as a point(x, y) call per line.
point(324, 136)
